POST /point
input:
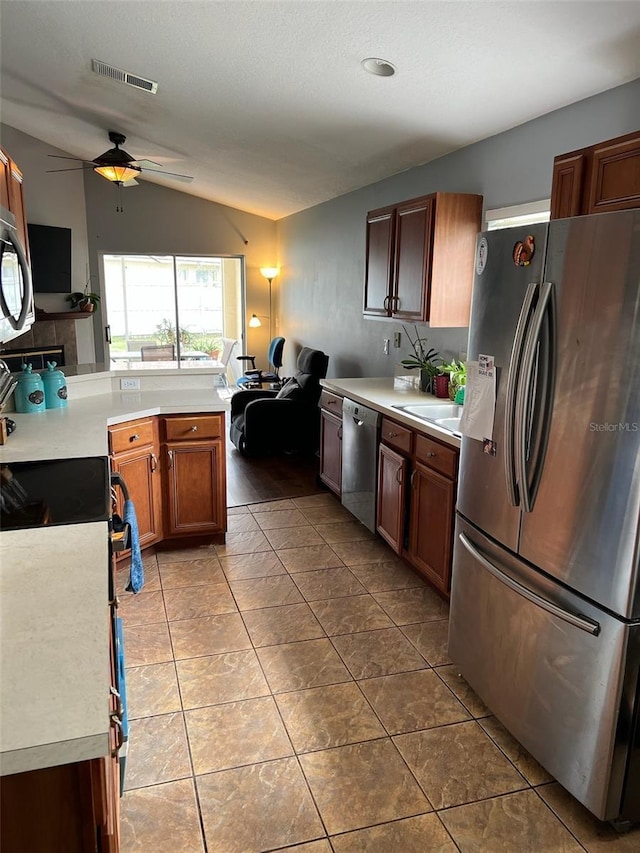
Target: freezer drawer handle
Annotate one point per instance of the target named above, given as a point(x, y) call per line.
point(574, 619)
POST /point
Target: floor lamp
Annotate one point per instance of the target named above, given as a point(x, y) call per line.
point(269, 273)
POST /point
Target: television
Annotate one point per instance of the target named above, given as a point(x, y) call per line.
point(50, 250)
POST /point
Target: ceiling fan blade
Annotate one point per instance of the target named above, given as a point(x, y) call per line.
point(146, 164)
point(184, 178)
point(62, 157)
point(70, 169)
point(131, 183)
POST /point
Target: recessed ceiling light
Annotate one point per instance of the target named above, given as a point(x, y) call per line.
point(380, 67)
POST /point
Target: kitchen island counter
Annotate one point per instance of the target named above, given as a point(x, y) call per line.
point(54, 651)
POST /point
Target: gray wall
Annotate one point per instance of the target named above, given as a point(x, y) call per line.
point(158, 220)
point(321, 250)
point(55, 199)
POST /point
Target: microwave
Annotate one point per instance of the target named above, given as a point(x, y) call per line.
point(16, 290)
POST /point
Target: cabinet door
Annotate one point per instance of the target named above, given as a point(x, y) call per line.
point(331, 451)
point(615, 175)
point(431, 530)
point(195, 487)
point(379, 262)
point(16, 204)
point(139, 469)
point(4, 179)
point(569, 173)
point(414, 229)
point(392, 472)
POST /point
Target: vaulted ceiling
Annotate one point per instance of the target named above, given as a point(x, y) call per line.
point(266, 104)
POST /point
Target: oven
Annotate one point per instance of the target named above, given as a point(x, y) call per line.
point(16, 290)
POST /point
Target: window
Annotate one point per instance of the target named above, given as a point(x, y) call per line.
point(172, 308)
point(518, 214)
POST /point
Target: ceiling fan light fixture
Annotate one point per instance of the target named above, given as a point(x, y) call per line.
point(118, 174)
point(379, 67)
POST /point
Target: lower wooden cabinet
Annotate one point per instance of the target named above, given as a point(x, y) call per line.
point(134, 454)
point(416, 500)
point(392, 475)
point(331, 451)
point(175, 470)
point(63, 809)
point(195, 480)
point(331, 441)
point(431, 525)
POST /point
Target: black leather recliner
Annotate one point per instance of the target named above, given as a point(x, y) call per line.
point(288, 420)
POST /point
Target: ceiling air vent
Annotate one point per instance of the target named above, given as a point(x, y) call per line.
point(123, 76)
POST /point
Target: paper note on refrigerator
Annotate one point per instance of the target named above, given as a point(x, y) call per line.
point(479, 399)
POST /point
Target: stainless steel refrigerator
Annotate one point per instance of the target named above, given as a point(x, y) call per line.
point(545, 598)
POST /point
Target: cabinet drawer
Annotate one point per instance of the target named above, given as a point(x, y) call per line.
point(193, 427)
point(396, 436)
point(331, 402)
point(130, 435)
point(437, 456)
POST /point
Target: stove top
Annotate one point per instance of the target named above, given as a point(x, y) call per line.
point(53, 492)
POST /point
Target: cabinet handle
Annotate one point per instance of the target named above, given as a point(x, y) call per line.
point(134, 437)
point(392, 435)
point(399, 476)
point(385, 303)
point(396, 303)
point(431, 453)
point(194, 428)
point(332, 402)
point(411, 481)
point(153, 459)
point(120, 710)
point(170, 455)
point(120, 731)
point(340, 433)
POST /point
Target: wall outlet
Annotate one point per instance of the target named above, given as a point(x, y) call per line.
point(385, 346)
point(130, 383)
point(397, 337)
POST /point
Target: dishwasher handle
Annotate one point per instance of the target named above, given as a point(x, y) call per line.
point(359, 415)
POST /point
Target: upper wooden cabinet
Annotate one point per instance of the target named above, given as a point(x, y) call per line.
point(12, 196)
point(419, 259)
point(599, 179)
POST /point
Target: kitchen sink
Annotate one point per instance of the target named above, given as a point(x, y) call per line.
point(431, 411)
point(452, 424)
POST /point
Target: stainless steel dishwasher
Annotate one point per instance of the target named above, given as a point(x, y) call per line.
point(360, 434)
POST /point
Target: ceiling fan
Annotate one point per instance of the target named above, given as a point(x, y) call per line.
point(119, 167)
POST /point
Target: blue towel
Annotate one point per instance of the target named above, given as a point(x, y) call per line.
point(136, 572)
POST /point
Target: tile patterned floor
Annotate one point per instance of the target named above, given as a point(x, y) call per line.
point(291, 690)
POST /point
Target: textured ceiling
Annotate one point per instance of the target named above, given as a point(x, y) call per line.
point(265, 103)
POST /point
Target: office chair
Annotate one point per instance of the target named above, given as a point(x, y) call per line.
point(254, 377)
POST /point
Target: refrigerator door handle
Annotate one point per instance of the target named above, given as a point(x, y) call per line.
point(511, 393)
point(526, 393)
point(574, 619)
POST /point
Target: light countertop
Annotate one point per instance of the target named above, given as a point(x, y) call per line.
point(383, 395)
point(54, 589)
point(80, 429)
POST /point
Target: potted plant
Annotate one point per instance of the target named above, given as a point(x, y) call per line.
point(457, 372)
point(84, 300)
point(423, 359)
